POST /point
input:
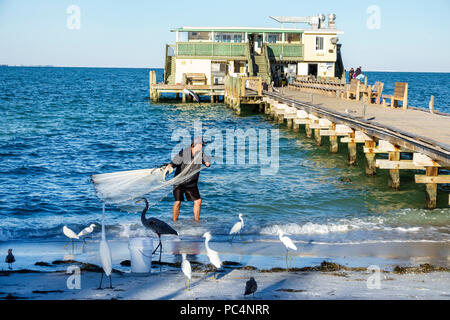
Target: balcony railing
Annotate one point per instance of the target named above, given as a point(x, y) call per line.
point(211, 49)
point(284, 50)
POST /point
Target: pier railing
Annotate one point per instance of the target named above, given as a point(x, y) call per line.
point(284, 50)
point(211, 49)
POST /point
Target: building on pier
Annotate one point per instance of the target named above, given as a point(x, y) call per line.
point(208, 54)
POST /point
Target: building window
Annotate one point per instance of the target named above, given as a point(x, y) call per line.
point(199, 36)
point(274, 37)
point(293, 37)
point(320, 44)
point(237, 38)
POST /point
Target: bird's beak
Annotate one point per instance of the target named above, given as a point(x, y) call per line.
point(140, 200)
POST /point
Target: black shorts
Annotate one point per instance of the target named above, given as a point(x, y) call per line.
point(191, 193)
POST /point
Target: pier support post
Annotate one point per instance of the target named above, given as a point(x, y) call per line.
point(334, 146)
point(280, 119)
point(352, 150)
point(178, 95)
point(431, 188)
point(308, 130)
point(394, 174)
point(371, 168)
point(296, 126)
point(183, 98)
point(289, 123)
point(317, 137)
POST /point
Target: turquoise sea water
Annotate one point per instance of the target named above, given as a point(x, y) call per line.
point(60, 125)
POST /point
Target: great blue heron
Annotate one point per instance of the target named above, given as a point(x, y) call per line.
point(157, 226)
point(287, 243)
point(250, 287)
point(237, 227)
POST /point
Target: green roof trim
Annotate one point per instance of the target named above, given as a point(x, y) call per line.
point(243, 30)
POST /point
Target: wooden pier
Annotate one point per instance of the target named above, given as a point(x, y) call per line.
point(379, 129)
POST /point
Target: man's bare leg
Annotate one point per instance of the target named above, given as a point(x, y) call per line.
point(197, 207)
point(176, 210)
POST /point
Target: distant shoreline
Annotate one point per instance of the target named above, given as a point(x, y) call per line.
point(156, 68)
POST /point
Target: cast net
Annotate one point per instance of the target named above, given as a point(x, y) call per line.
point(123, 189)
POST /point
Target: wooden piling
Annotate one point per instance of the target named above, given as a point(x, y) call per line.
point(394, 174)
point(352, 150)
point(289, 123)
point(431, 188)
point(371, 168)
point(308, 130)
point(334, 146)
point(317, 137)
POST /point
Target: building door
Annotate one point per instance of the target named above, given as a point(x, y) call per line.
point(312, 69)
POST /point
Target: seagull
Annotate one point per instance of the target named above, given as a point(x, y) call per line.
point(250, 287)
point(237, 227)
point(70, 234)
point(186, 268)
point(86, 231)
point(157, 226)
point(287, 243)
point(105, 254)
point(10, 259)
point(213, 256)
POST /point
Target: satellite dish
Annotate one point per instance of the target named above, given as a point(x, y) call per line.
point(334, 40)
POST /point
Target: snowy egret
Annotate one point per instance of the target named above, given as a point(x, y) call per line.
point(105, 254)
point(250, 287)
point(186, 268)
point(70, 234)
point(287, 243)
point(213, 256)
point(157, 226)
point(237, 227)
point(10, 259)
point(86, 231)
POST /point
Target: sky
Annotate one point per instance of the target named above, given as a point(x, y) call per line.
point(407, 36)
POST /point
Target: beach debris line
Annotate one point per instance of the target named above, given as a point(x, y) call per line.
point(186, 268)
point(237, 228)
point(250, 287)
point(10, 259)
point(157, 226)
point(105, 254)
point(213, 256)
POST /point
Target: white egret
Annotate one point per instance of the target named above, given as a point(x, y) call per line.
point(287, 243)
point(187, 270)
point(237, 227)
point(86, 231)
point(105, 254)
point(70, 234)
point(213, 256)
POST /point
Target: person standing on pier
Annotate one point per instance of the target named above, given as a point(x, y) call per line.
point(350, 74)
point(189, 187)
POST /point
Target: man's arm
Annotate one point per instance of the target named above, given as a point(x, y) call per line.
point(206, 161)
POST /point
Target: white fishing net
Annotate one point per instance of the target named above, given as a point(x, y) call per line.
point(123, 189)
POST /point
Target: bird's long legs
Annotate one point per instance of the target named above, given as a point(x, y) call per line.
point(187, 284)
point(101, 279)
point(110, 282)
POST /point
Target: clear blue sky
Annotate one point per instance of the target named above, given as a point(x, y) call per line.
point(414, 35)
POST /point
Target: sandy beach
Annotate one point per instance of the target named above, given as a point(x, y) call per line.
point(317, 271)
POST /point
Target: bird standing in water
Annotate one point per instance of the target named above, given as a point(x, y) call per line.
point(86, 231)
point(157, 226)
point(250, 287)
point(10, 259)
point(71, 235)
point(186, 268)
point(213, 256)
point(287, 243)
point(237, 227)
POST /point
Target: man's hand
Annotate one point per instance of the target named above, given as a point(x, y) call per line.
point(207, 164)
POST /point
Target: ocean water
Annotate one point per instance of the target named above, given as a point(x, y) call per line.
point(61, 125)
